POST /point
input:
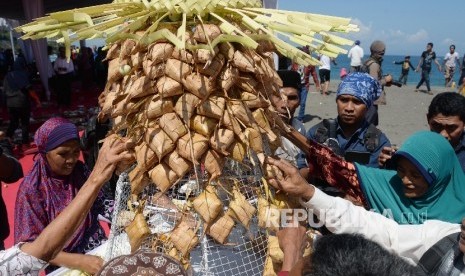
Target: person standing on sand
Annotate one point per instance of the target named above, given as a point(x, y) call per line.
point(406, 65)
point(450, 60)
point(325, 72)
point(425, 63)
point(372, 66)
point(355, 55)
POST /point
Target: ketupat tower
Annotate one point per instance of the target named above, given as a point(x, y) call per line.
point(190, 82)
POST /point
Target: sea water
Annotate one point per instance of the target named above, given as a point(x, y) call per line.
point(388, 67)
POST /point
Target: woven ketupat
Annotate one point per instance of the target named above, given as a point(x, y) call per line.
point(191, 81)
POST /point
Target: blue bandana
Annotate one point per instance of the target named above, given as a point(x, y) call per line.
point(362, 86)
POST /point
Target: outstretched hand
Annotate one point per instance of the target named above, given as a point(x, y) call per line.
point(115, 150)
point(386, 154)
point(292, 183)
point(292, 241)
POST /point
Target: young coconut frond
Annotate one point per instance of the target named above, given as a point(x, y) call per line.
point(190, 82)
point(239, 21)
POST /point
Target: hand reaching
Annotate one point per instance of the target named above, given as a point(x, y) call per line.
point(292, 241)
point(115, 149)
point(90, 264)
point(292, 183)
point(385, 155)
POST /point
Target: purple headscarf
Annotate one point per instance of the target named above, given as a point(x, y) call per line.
point(43, 195)
point(54, 132)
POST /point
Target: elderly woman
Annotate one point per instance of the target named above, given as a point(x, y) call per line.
point(427, 183)
point(53, 182)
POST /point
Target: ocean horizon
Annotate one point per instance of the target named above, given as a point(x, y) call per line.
point(388, 67)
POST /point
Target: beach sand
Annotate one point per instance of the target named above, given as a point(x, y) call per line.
point(404, 114)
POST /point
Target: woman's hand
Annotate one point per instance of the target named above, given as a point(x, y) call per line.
point(115, 149)
point(292, 183)
point(90, 264)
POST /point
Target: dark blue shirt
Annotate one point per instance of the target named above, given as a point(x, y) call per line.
point(356, 142)
point(460, 151)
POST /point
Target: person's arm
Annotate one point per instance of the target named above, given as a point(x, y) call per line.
point(397, 62)
point(292, 241)
point(411, 66)
point(373, 70)
point(420, 62)
point(341, 216)
point(52, 239)
point(437, 63)
point(87, 263)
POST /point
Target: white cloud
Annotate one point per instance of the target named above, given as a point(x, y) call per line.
point(397, 41)
point(447, 42)
point(420, 36)
point(365, 30)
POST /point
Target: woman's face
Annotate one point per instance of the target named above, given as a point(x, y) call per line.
point(63, 158)
point(415, 184)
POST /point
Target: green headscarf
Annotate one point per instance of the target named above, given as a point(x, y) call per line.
point(436, 160)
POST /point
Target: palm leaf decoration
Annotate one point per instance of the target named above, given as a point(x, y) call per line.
point(241, 21)
point(191, 82)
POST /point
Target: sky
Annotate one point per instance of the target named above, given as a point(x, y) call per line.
point(406, 26)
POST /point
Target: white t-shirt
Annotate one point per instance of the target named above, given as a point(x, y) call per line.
point(14, 262)
point(356, 55)
point(450, 59)
point(325, 62)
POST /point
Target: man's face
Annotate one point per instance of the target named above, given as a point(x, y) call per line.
point(450, 127)
point(429, 48)
point(452, 50)
point(351, 110)
point(289, 100)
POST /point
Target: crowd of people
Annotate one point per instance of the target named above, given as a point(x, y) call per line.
point(21, 96)
point(409, 200)
point(385, 210)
